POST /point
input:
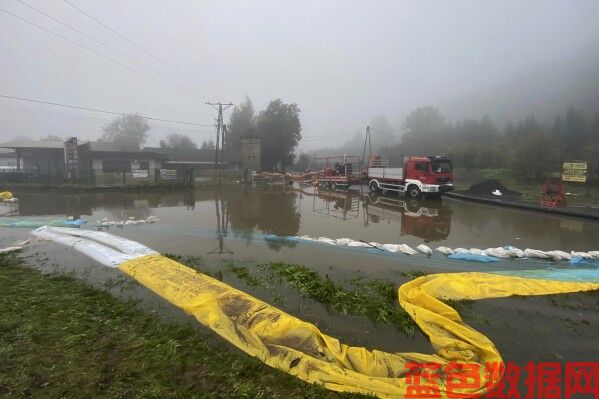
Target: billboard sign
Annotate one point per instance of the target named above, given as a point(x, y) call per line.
point(575, 171)
point(168, 174)
point(140, 174)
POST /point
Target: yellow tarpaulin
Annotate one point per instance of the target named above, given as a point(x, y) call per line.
point(5, 195)
point(301, 349)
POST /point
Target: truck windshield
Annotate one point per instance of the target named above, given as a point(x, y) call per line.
point(441, 166)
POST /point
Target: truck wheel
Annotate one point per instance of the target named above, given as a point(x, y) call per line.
point(374, 186)
point(413, 192)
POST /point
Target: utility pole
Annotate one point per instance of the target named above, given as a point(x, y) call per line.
point(366, 139)
point(220, 131)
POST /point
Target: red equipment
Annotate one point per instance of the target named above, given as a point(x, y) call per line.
point(339, 172)
point(553, 194)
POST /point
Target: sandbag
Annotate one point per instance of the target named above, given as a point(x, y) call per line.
point(424, 249)
point(445, 250)
point(406, 249)
point(498, 252)
point(514, 252)
point(461, 251)
point(559, 255)
point(535, 253)
point(476, 251)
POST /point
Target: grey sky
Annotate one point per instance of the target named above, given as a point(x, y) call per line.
point(342, 62)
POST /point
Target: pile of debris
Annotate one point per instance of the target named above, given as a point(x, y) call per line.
point(492, 188)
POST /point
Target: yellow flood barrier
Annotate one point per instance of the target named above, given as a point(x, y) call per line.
point(299, 348)
point(5, 195)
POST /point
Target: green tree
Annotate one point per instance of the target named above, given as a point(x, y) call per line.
point(178, 140)
point(534, 156)
point(241, 122)
point(575, 135)
point(128, 132)
point(424, 120)
point(280, 128)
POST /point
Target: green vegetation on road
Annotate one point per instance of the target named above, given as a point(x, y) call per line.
point(62, 338)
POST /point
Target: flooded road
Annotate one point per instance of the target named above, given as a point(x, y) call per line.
point(235, 220)
point(239, 224)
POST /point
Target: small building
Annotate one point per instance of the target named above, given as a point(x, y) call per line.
point(186, 160)
point(43, 157)
point(8, 159)
point(251, 153)
point(107, 165)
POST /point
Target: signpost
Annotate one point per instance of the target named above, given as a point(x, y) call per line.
point(578, 172)
point(575, 171)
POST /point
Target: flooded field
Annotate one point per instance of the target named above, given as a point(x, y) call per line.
point(231, 232)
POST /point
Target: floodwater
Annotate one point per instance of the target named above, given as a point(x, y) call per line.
point(242, 223)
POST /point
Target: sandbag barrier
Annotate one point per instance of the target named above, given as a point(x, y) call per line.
point(299, 348)
point(471, 254)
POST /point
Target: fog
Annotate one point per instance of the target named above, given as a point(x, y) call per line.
point(342, 62)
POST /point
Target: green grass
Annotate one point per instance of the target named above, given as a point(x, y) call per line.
point(243, 274)
point(60, 338)
point(374, 299)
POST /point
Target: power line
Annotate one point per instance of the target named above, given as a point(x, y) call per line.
point(104, 45)
point(319, 138)
point(84, 47)
point(141, 48)
point(102, 111)
point(83, 118)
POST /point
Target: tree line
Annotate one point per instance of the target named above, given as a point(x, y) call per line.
point(528, 149)
point(278, 126)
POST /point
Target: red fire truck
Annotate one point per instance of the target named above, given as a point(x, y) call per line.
point(419, 175)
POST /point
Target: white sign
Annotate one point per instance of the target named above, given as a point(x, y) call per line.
point(168, 174)
point(140, 174)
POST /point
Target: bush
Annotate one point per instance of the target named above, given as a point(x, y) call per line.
point(494, 174)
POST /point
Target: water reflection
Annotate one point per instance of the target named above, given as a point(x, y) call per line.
point(429, 220)
point(222, 222)
point(343, 205)
point(80, 204)
point(269, 212)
